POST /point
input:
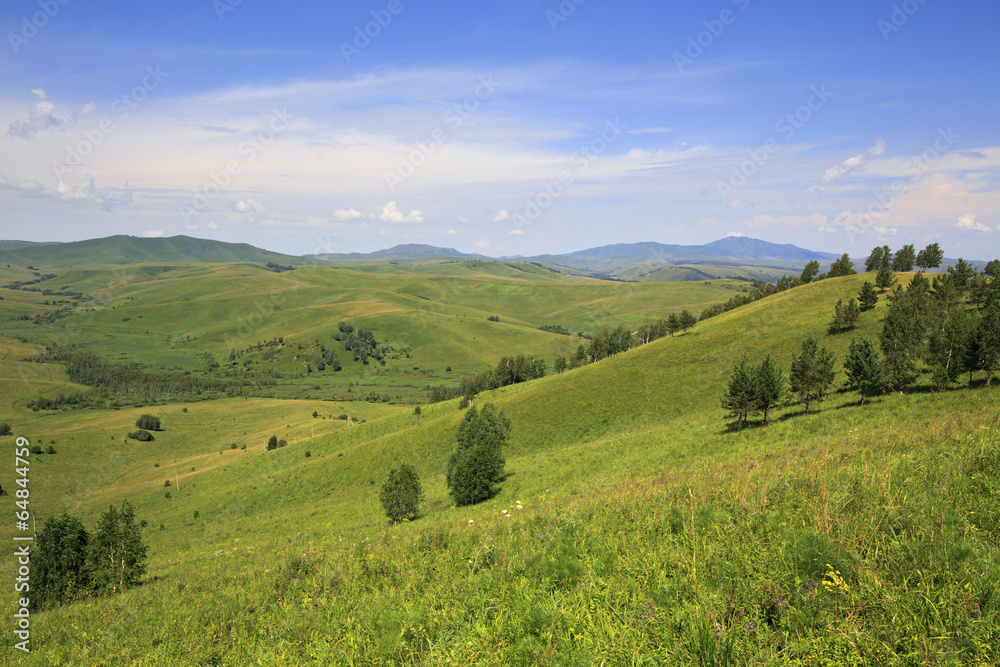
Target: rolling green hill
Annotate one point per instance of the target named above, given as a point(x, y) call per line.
point(633, 527)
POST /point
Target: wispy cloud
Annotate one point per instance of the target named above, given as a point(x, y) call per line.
point(42, 118)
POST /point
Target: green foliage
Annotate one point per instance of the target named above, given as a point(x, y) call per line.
point(142, 436)
point(904, 260)
point(282, 443)
point(867, 297)
point(842, 267)
point(845, 317)
point(58, 563)
point(930, 257)
point(402, 494)
point(885, 279)
point(739, 398)
point(865, 371)
point(560, 364)
point(686, 320)
point(904, 329)
point(810, 272)
point(880, 258)
point(949, 335)
point(477, 464)
point(770, 386)
point(148, 422)
point(116, 554)
point(272, 443)
point(812, 372)
point(961, 274)
point(5, 429)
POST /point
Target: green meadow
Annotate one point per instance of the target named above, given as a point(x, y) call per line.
point(633, 528)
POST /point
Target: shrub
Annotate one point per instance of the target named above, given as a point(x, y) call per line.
point(272, 443)
point(5, 429)
point(50, 450)
point(282, 443)
point(148, 422)
point(401, 494)
point(36, 449)
point(343, 417)
point(144, 436)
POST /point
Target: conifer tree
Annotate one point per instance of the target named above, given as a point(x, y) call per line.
point(686, 320)
point(904, 329)
point(770, 387)
point(865, 371)
point(885, 279)
point(741, 392)
point(812, 372)
point(867, 297)
point(116, 554)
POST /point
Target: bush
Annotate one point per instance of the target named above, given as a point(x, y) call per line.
point(401, 494)
point(342, 417)
point(36, 449)
point(144, 436)
point(50, 450)
point(5, 429)
point(477, 463)
point(282, 443)
point(272, 443)
point(148, 422)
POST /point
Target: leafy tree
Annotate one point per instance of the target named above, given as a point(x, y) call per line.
point(885, 279)
point(904, 329)
point(993, 269)
point(845, 316)
point(143, 436)
point(949, 336)
point(904, 260)
point(272, 443)
point(865, 371)
point(148, 422)
point(770, 386)
point(930, 257)
point(875, 260)
point(116, 554)
point(812, 372)
point(962, 273)
point(5, 429)
point(842, 267)
point(402, 493)
point(59, 562)
point(810, 272)
point(686, 320)
point(739, 399)
point(867, 297)
point(477, 463)
point(560, 364)
point(673, 324)
point(416, 412)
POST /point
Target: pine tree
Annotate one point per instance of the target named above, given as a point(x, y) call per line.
point(949, 334)
point(842, 267)
point(116, 554)
point(930, 257)
point(673, 324)
point(741, 391)
point(962, 273)
point(988, 333)
point(885, 279)
point(904, 329)
point(812, 372)
point(867, 297)
point(769, 385)
point(865, 371)
point(686, 320)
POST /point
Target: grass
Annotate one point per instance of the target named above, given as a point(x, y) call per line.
point(647, 533)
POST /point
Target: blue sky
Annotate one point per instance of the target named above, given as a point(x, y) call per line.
point(510, 128)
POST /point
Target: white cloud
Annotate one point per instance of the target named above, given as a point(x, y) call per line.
point(463, 220)
point(343, 214)
point(736, 203)
point(42, 118)
point(212, 225)
point(451, 232)
point(248, 206)
point(502, 215)
point(877, 150)
point(516, 232)
point(153, 234)
point(391, 213)
point(835, 174)
point(735, 235)
point(968, 221)
point(483, 245)
point(85, 193)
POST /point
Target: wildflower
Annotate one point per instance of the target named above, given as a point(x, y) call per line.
point(750, 629)
point(471, 522)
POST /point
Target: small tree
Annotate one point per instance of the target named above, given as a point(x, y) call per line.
point(930, 257)
point(272, 443)
point(560, 364)
point(59, 562)
point(5, 429)
point(845, 316)
point(739, 397)
point(416, 412)
point(885, 279)
point(770, 386)
point(686, 320)
point(116, 554)
point(401, 493)
point(148, 422)
point(812, 372)
point(673, 324)
point(810, 272)
point(842, 267)
point(867, 297)
point(477, 463)
point(904, 260)
point(865, 371)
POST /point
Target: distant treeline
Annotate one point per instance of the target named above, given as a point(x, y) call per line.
point(509, 370)
point(119, 383)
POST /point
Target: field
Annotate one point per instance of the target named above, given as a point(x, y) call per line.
point(634, 527)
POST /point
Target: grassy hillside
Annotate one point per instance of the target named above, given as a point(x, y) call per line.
point(634, 528)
